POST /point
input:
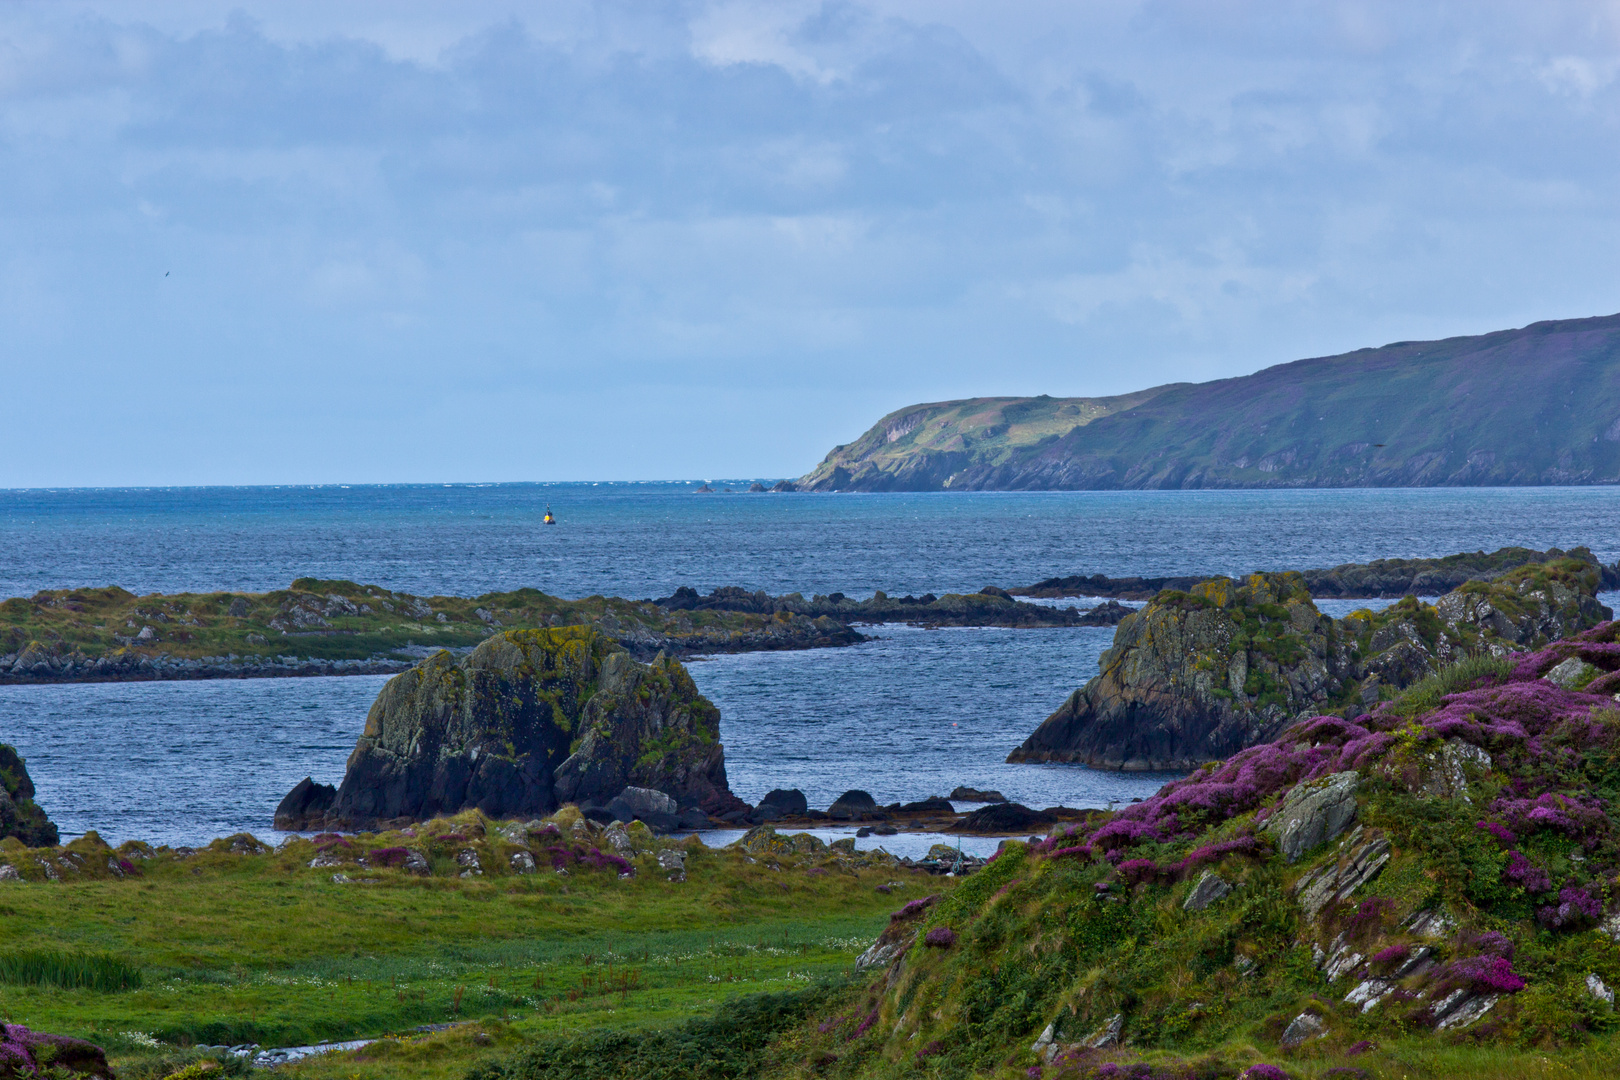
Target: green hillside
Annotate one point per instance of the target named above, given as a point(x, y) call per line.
point(1538, 405)
point(920, 447)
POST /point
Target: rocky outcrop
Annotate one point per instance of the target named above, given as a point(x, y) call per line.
point(1386, 579)
point(531, 719)
point(990, 606)
point(20, 816)
point(1197, 675)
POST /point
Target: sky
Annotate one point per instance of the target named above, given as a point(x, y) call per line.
point(323, 242)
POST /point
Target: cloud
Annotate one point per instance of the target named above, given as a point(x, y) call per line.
point(619, 214)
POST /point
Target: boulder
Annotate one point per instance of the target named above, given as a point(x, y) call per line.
point(1210, 889)
point(852, 805)
point(20, 816)
point(1313, 813)
point(652, 808)
point(1304, 1026)
point(780, 803)
point(972, 794)
point(1004, 817)
point(529, 720)
point(305, 806)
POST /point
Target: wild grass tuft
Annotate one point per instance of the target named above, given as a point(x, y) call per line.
point(70, 970)
point(1466, 674)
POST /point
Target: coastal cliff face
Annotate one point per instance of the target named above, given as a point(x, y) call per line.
point(20, 816)
point(1535, 405)
point(1198, 675)
point(530, 719)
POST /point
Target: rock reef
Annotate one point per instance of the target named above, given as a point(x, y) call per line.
point(531, 719)
point(1199, 674)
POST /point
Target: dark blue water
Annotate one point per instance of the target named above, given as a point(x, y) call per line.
point(912, 714)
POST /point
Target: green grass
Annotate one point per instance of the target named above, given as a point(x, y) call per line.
point(224, 948)
point(70, 970)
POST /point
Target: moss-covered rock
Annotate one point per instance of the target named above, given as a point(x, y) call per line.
point(530, 719)
point(20, 816)
point(1197, 675)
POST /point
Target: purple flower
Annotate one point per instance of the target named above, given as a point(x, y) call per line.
point(1493, 943)
point(1525, 874)
point(1492, 973)
point(1264, 1072)
point(865, 1025)
point(387, 856)
point(915, 907)
point(1138, 871)
point(1502, 833)
point(1576, 909)
point(940, 937)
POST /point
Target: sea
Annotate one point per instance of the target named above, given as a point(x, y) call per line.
point(909, 714)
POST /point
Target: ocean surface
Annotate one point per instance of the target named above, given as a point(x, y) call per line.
point(910, 714)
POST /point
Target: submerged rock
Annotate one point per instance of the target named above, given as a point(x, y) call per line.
point(529, 720)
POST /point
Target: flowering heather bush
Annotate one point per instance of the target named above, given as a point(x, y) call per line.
point(915, 907)
point(940, 937)
point(1576, 909)
point(1034, 1072)
point(865, 1025)
point(1264, 1072)
point(1138, 871)
point(595, 857)
point(1577, 816)
point(1488, 973)
point(321, 839)
point(20, 1052)
point(387, 856)
point(1390, 958)
point(1525, 874)
point(930, 1050)
point(827, 1025)
point(561, 857)
point(1503, 834)
point(1369, 913)
point(1492, 943)
point(1358, 1048)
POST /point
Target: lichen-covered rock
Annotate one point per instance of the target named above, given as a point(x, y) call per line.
point(1198, 675)
point(529, 720)
point(20, 816)
point(1313, 813)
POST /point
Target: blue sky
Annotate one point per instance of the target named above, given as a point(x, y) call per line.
point(350, 242)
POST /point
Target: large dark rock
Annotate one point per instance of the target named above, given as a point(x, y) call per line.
point(1004, 817)
point(305, 806)
point(529, 720)
point(1198, 675)
point(20, 816)
point(778, 804)
point(853, 805)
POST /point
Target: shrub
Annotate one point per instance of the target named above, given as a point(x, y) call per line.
point(940, 937)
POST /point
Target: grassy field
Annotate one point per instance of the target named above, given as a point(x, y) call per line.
point(235, 948)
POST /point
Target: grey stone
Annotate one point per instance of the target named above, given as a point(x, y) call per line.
point(1599, 989)
point(1313, 813)
point(1337, 879)
point(1107, 1035)
point(416, 863)
point(9, 873)
point(523, 862)
point(1305, 1026)
point(673, 861)
point(639, 803)
point(852, 805)
point(1461, 1008)
point(1210, 888)
point(1572, 673)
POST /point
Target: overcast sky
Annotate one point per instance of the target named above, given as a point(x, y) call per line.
point(390, 241)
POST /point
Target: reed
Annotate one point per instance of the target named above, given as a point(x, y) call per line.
point(72, 970)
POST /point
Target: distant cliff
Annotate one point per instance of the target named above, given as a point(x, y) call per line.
point(921, 447)
point(1538, 405)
